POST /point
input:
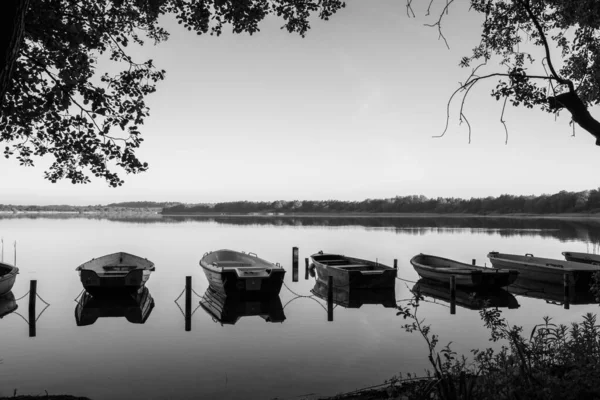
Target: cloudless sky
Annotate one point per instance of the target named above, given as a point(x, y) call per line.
point(346, 113)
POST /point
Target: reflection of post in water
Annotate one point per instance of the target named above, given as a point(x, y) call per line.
point(188, 313)
point(453, 295)
point(188, 303)
point(32, 297)
point(330, 298)
point(294, 264)
point(306, 269)
point(566, 290)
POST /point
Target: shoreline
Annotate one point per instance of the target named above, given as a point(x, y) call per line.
point(569, 216)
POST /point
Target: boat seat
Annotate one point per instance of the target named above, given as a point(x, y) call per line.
point(232, 264)
point(356, 266)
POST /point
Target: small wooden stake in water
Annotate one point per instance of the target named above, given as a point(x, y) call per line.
point(566, 289)
point(32, 298)
point(330, 298)
point(395, 263)
point(306, 269)
point(294, 264)
point(188, 303)
point(452, 295)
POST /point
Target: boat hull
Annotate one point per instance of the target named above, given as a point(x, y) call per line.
point(240, 274)
point(8, 276)
point(586, 258)
point(546, 270)
point(356, 274)
point(442, 270)
point(117, 273)
point(228, 282)
point(97, 285)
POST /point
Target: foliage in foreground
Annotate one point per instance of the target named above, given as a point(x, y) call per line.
point(553, 362)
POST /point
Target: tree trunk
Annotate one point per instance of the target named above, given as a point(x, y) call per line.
point(579, 112)
point(12, 26)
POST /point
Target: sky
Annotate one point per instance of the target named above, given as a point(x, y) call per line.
point(348, 112)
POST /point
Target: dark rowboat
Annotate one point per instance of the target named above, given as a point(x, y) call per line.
point(466, 298)
point(8, 274)
point(546, 270)
point(117, 272)
point(467, 275)
point(242, 273)
point(228, 309)
point(586, 258)
point(354, 273)
point(136, 308)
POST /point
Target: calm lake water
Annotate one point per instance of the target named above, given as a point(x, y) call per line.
point(296, 351)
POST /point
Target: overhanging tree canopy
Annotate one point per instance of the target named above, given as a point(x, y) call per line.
point(567, 32)
point(53, 101)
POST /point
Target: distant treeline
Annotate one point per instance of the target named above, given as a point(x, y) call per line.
point(131, 205)
point(587, 201)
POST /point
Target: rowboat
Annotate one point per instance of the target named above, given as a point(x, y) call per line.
point(117, 272)
point(547, 270)
point(136, 308)
point(465, 297)
point(350, 272)
point(241, 273)
point(587, 258)
point(467, 275)
point(356, 298)
point(8, 274)
point(8, 304)
point(228, 309)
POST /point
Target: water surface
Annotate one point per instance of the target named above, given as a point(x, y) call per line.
point(282, 349)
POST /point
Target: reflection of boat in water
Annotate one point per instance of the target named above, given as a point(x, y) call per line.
point(117, 272)
point(350, 272)
point(135, 307)
point(467, 298)
point(551, 292)
point(234, 271)
point(546, 270)
point(8, 274)
point(443, 269)
point(356, 298)
point(228, 309)
point(8, 304)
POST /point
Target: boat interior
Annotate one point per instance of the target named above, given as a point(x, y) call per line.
point(344, 263)
point(232, 259)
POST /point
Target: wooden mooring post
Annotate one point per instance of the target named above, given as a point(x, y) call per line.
point(306, 269)
point(566, 291)
point(188, 303)
point(395, 263)
point(330, 298)
point(473, 262)
point(32, 299)
point(294, 264)
point(453, 295)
